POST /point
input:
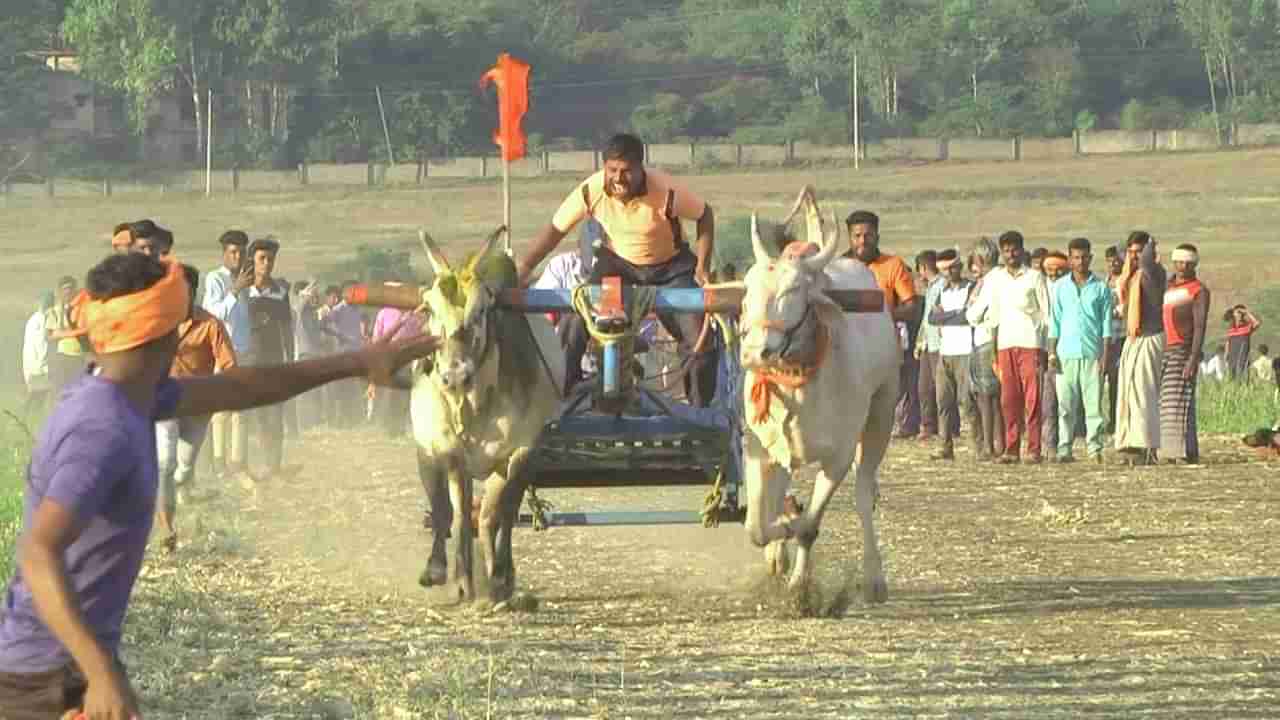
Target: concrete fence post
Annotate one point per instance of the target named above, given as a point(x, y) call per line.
point(791, 151)
point(944, 148)
point(235, 178)
point(368, 173)
point(1075, 141)
point(1016, 147)
point(106, 187)
point(546, 162)
point(484, 166)
point(48, 187)
point(693, 155)
point(595, 158)
point(1152, 140)
point(739, 154)
point(302, 174)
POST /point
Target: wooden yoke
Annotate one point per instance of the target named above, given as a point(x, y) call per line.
point(724, 298)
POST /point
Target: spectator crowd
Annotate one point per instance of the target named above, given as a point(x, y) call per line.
point(242, 314)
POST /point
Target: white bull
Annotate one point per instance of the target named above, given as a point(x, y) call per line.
point(822, 387)
point(478, 406)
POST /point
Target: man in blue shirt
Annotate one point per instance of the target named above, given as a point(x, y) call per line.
point(1079, 348)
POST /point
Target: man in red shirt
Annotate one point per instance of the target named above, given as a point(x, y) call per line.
point(900, 299)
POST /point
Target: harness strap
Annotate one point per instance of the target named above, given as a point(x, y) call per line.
point(668, 212)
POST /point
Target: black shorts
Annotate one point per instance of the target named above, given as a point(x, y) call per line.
point(41, 696)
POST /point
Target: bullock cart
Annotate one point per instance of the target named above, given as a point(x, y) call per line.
point(612, 430)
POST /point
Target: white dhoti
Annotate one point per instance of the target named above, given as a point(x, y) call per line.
point(1138, 403)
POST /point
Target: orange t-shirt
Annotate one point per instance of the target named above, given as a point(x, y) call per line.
point(894, 278)
point(637, 230)
point(203, 348)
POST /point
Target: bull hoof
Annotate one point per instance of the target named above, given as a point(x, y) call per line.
point(876, 593)
point(775, 559)
point(433, 575)
point(805, 598)
point(518, 603)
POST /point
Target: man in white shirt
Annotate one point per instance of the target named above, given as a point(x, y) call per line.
point(1215, 366)
point(1018, 317)
point(955, 347)
point(225, 298)
point(1263, 369)
point(35, 356)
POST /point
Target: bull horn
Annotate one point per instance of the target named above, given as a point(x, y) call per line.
point(830, 243)
point(439, 263)
point(492, 241)
point(806, 192)
point(808, 202)
point(757, 244)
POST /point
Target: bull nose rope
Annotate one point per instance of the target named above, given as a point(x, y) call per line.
point(764, 379)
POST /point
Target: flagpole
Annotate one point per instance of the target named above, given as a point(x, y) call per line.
point(506, 200)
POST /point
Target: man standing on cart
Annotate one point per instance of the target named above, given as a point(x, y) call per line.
point(639, 211)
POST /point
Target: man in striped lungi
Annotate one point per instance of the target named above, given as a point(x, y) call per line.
point(1186, 314)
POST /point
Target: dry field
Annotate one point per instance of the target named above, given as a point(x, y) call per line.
point(1056, 592)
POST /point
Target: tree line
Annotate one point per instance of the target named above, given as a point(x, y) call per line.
point(313, 79)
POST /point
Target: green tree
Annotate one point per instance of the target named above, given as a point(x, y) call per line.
point(144, 47)
point(25, 108)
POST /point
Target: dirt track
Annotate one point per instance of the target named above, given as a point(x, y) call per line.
point(1053, 591)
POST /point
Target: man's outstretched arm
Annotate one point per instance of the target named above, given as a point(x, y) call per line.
point(543, 243)
point(242, 388)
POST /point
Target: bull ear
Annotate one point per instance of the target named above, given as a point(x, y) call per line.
point(830, 244)
point(757, 244)
point(439, 263)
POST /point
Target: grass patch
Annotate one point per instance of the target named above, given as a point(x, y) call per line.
point(16, 442)
point(1235, 408)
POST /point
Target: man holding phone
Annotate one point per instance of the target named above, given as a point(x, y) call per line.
point(225, 297)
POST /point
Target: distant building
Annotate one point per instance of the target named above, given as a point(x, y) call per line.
point(80, 112)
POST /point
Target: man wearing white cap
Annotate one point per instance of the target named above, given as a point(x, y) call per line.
point(955, 348)
point(1186, 315)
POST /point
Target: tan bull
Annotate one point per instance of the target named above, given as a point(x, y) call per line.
point(478, 406)
point(821, 387)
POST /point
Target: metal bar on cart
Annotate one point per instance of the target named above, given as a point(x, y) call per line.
point(718, 299)
point(623, 518)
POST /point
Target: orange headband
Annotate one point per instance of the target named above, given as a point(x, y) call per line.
point(129, 321)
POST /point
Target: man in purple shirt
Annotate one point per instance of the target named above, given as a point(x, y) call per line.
point(391, 405)
point(91, 487)
point(344, 399)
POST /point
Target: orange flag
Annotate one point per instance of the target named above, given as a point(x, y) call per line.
point(512, 78)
